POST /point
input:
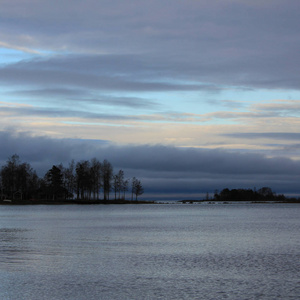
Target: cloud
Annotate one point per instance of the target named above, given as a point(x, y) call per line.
point(294, 136)
point(144, 73)
point(163, 169)
point(279, 107)
point(18, 48)
point(68, 115)
point(150, 46)
point(74, 95)
point(92, 72)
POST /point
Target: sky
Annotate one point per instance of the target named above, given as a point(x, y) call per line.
point(189, 96)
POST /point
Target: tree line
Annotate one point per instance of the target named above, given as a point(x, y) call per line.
point(262, 194)
point(84, 180)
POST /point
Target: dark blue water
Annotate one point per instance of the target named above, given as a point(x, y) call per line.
point(249, 251)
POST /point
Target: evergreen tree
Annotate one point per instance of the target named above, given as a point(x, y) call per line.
point(54, 181)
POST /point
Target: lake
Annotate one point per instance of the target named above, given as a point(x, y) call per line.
point(164, 251)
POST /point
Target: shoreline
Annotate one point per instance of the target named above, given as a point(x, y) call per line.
point(72, 202)
point(124, 202)
point(237, 201)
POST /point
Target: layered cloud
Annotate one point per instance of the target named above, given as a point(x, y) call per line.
point(215, 83)
point(225, 43)
point(164, 170)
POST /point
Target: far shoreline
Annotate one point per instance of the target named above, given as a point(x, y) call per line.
point(238, 201)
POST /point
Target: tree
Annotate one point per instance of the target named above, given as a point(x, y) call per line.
point(119, 184)
point(85, 179)
point(34, 183)
point(115, 185)
point(83, 182)
point(69, 179)
point(1, 187)
point(27, 181)
point(95, 174)
point(107, 175)
point(265, 192)
point(18, 180)
point(125, 187)
point(136, 188)
point(9, 175)
point(54, 182)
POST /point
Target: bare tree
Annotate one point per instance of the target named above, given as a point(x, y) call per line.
point(125, 187)
point(107, 175)
point(95, 173)
point(136, 188)
point(83, 182)
point(69, 179)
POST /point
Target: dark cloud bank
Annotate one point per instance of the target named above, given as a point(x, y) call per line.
point(166, 171)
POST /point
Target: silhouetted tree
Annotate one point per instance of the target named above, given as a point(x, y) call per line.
point(266, 192)
point(17, 179)
point(115, 185)
point(119, 183)
point(263, 194)
point(70, 179)
point(1, 187)
point(95, 177)
point(125, 187)
point(107, 175)
point(54, 182)
point(83, 180)
point(9, 175)
point(136, 188)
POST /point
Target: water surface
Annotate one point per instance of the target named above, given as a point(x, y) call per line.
point(238, 251)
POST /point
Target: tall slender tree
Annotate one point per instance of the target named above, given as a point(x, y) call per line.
point(95, 172)
point(83, 182)
point(69, 179)
point(136, 188)
point(118, 183)
point(107, 175)
point(125, 188)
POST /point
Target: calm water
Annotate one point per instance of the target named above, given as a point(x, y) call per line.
point(150, 252)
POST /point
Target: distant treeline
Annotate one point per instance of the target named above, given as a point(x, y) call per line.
point(263, 194)
point(85, 180)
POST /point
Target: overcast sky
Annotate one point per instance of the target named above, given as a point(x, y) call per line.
point(189, 96)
